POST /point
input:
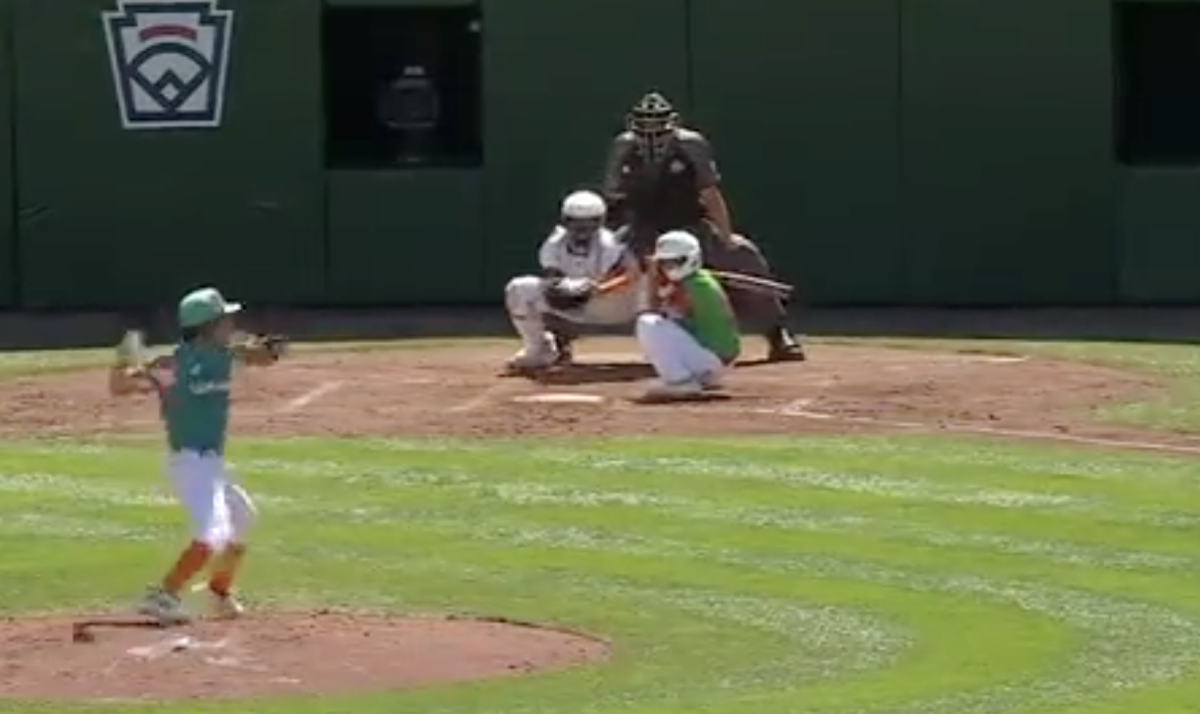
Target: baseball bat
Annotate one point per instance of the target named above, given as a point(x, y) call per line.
point(753, 283)
point(614, 283)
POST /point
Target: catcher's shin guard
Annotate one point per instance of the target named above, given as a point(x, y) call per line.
point(564, 347)
point(523, 299)
point(564, 335)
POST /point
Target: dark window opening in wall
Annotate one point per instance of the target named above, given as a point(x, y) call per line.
point(403, 87)
point(1157, 82)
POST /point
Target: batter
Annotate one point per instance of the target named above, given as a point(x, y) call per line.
point(693, 336)
point(193, 386)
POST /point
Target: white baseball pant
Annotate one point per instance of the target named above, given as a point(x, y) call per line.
point(220, 510)
point(525, 299)
point(675, 355)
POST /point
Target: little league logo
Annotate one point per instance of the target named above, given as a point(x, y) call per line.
point(170, 60)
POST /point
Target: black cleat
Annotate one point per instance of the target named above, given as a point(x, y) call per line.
point(564, 347)
point(783, 347)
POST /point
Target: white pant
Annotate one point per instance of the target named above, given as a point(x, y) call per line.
point(675, 355)
point(220, 510)
point(525, 298)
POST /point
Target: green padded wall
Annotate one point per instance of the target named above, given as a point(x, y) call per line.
point(800, 100)
point(400, 3)
point(117, 217)
point(559, 77)
point(8, 271)
point(1160, 231)
point(407, 237)
point(1009, 180)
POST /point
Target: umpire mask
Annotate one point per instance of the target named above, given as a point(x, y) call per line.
point(653, 122)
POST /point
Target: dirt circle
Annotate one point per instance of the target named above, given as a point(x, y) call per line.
point(279, 654)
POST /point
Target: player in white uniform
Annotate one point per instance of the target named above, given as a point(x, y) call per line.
point(577, 258)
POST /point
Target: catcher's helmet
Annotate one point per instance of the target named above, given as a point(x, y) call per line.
point(653, 121)
point(583, 214)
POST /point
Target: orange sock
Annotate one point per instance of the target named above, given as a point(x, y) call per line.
point(225, 569)
point(190, 562)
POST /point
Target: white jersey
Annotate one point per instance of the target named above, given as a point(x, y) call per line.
point(603, 254)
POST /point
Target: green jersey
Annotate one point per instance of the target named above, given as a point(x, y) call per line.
point(196, 405)
point(710, 317)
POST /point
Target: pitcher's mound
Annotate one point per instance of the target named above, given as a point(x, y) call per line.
point(271, 654)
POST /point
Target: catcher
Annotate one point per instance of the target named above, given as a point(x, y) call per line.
point(193, 388)
point(661, 177)
point(692, 334)
point(588, 278)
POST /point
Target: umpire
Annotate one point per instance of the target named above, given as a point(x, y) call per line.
point(661, 176)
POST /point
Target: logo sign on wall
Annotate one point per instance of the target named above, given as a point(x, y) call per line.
point(170, 61)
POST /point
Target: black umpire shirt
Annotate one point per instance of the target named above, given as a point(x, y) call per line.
point(656, 197)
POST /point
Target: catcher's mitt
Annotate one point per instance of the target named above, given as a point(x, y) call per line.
point(274, 345)
point(277, 345)
point(566, 294)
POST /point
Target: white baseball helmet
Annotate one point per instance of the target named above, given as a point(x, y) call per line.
point(678, 254)
point(583, 214)
point(584, 206)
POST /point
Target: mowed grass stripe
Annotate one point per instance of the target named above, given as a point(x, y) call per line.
point(1088, 528)
point(812, 577)
point(64, 492)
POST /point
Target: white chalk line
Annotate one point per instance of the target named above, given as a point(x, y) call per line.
point(310, 396)
point(479, 401)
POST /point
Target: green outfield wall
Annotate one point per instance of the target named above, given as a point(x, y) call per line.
point(932, 152)
point(8, 218)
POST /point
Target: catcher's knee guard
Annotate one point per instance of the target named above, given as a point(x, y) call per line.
point(523, 296)
point(525, 301)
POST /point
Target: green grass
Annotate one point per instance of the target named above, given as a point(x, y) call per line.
point(905, 576)
point(817, 576)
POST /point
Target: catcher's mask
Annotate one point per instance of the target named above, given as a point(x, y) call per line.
point(583, 215)
point(653, 121)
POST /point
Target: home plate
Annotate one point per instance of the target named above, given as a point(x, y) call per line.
point(559, 398)
point(612, 358)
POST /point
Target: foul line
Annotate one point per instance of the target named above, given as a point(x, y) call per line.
point(797, 410)
point(479, 401)
point(310, 396)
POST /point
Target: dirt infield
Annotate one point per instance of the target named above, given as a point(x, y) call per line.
point(456, 392)
point(271, 655)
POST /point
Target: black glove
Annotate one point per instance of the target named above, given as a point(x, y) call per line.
point(275, 345)
point(565, 294)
